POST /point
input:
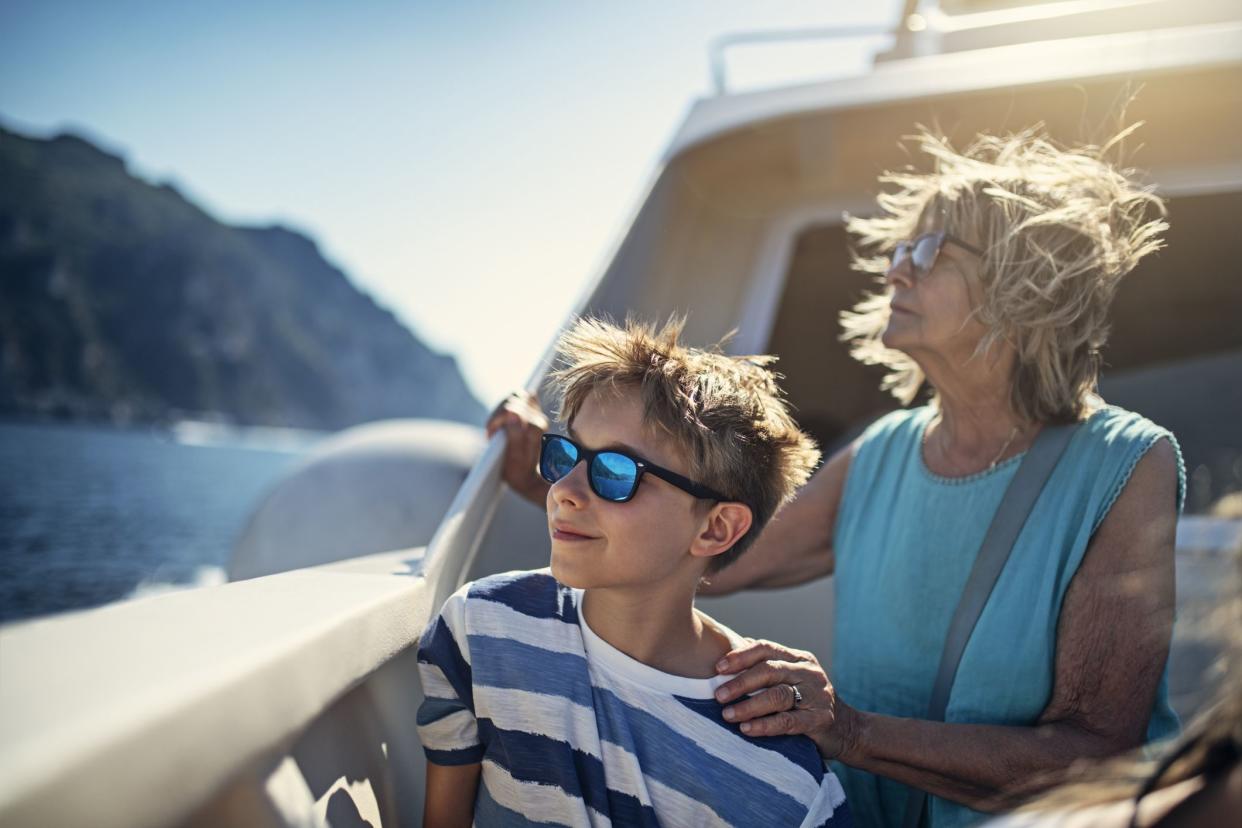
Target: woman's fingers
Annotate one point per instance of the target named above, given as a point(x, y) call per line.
point(748, 661)
point(762, 675)
point(745, 657)
point(776, 699)
point(771, 672)
point(786, 723)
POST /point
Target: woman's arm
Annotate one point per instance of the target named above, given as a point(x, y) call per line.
point(450, 793)
point(796, 545)
point(1112, 644)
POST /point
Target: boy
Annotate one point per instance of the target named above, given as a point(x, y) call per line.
point(584, 696)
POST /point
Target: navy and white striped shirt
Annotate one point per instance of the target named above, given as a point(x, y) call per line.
point(571, 731)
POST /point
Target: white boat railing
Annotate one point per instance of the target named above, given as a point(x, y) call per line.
point(139, 713)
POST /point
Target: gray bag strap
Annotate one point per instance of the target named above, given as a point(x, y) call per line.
point(1015, 507)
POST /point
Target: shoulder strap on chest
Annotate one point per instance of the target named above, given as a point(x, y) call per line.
point(1015, 507)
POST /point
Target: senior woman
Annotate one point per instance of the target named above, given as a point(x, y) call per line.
point(998, 268)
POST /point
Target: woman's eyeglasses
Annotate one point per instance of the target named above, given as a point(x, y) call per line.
point(612, 475)
point(922, 251)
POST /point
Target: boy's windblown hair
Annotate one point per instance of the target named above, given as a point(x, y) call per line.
point(1059, 228)
point(724, 413)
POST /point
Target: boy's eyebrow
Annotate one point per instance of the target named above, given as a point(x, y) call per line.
point(616, 445)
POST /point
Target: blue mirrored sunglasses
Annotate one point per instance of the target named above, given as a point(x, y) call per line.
point(612, 475)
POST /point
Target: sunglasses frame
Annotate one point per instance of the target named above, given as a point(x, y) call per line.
point(642, 467)
point(905, 250)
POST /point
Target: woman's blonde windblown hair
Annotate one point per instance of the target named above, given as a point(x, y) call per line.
point(1059, 228)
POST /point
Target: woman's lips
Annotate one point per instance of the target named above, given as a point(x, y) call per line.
point(899, 309)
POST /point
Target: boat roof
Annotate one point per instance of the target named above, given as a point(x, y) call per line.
point(1130, 54)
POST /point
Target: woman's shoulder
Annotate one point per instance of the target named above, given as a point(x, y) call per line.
point(1111, 424)
point(887, 443)
point(904, 422)
point(883, 450)
point(1120, 435)
point(1112, 440)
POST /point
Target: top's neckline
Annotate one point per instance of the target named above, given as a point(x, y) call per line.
point(603, 654)
point(963, 479)
point(979, 475)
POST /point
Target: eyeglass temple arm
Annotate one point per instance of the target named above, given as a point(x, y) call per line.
point(684, 483)
point(965, 245)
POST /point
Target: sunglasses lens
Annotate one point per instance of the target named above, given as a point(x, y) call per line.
point(613, 476)
point(900, 253)
point(924, 254)
point(558, 459)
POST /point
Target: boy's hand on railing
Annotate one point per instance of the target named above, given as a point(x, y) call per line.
point(522, 420)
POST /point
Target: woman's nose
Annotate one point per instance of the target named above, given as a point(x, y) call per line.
point(901, 274)
point(572, 489)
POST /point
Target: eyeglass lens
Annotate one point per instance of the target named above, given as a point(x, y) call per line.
point(922, 253)
point(558, 459)
point(612, 475)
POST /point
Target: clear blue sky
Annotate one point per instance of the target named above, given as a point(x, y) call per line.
point(469, 164)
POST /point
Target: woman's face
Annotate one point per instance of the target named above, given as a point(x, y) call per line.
point(932, 313)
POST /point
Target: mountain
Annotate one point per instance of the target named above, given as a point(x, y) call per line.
point(121, 300)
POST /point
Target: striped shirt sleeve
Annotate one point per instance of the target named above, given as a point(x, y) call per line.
point(829, 810)
point(446, 723)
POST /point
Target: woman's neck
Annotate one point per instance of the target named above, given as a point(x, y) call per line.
point(976, 427)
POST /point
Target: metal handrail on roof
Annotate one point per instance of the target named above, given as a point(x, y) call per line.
point(717, 47)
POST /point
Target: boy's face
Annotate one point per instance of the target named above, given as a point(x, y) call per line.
point(597, 543)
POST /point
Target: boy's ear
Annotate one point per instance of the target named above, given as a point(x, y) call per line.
point(722, 526)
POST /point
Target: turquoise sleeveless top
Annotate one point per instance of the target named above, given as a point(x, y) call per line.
point(905, 542)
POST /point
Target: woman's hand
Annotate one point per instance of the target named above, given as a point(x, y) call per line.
point(772, 672)
point(523, 423)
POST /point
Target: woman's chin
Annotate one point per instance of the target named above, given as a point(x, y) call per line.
point(894, 338)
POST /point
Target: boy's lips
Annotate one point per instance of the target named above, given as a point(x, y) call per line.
point(565, 532)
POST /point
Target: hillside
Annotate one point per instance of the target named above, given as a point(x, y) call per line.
point(122, 301)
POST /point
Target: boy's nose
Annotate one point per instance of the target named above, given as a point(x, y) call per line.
point(572, 489)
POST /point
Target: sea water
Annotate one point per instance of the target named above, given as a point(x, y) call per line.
point(90, 515)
